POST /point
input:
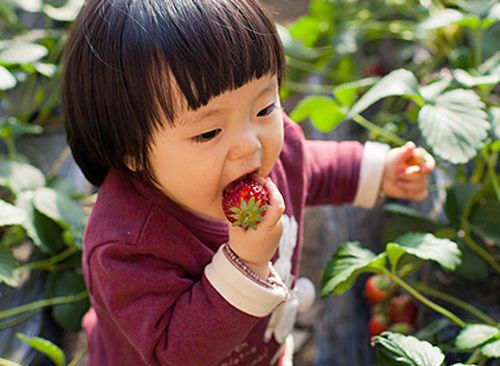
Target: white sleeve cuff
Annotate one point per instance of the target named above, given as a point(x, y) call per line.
point(370, 176)
point(241, 291)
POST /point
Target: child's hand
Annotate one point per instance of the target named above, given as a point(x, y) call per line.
point(257, 246)
point(405, 173)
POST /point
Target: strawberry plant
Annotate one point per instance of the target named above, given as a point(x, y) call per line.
point(41, 215)
point(427, 72)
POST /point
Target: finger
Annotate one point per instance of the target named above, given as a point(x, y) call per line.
point(276, 206)
point(407, 151)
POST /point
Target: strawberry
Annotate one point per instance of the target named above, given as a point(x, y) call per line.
point(378, 323)
point(402, 309)
point(245, 203)
point(378, 288)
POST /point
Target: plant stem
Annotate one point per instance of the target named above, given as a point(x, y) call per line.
point(478, 46)
point(491, 172)
point(4, 362)
point(44, 303)
point(49, 262)
point(457, 302)
point(75, 361)
point(479, 251)
point(455, 319)
point(475, 356)
point(362, 121)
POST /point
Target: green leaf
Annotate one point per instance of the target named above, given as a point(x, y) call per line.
point(60, 208)
point(324, 112)
point(11, 215)
point(440, 19)
point(46, 347)
point(398, 350)
point(346, 93)
point(426, 247)
point(20, 177)
point(7, 80)
point(474, 335)
point(8, 265)
point(44, 232)
point(485, 218)
point(32, 6)
point(468, 80)
point(11, 128)
point(473, 266)
point(406, 220)
point(66, 13)
point(399, 82)
point(23, 53)
point(65, 283)
point(457, 199)
point(491, 349)
point(455, 125)
point(432, 90)
point(348, 262)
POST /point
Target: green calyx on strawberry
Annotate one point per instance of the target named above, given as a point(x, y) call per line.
point(379, 288)
point(245, 202)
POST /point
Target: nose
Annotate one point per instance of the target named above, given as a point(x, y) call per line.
point(247, 143)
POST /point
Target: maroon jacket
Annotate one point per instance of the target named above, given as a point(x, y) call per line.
point(145, 258)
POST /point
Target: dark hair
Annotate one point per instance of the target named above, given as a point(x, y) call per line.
point(127, 59)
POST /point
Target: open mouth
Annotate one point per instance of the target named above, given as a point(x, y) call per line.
point(243, 177)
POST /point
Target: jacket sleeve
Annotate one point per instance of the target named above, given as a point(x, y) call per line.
point(332, 171)
point(171, 318)
point(344, 172)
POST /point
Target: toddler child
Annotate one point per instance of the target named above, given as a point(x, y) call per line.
point(166, 103)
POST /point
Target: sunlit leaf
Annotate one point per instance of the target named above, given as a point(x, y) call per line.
point(398, 83)
point(491, 349)
point(23, 53)
point(20, 177)
point(7, 80)
point(440, 19)
point(346, 93)
point(348, 262)
point(468, 80)
point(455, 125)
point(474, 335)
point(398, 350)
point(46, 347)
point(10, 214)
point(66, 13)
point(8, 265)
point(324, 112)
point(427, 247)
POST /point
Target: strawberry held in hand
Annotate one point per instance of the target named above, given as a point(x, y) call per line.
point(245, 203)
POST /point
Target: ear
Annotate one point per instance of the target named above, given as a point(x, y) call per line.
point(132, 164)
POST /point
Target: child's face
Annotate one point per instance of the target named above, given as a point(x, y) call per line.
point(236, 133)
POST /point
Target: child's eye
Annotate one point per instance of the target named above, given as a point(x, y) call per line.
point(207, 136)
point(267, 111)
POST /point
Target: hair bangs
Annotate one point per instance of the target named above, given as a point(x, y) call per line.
point(214, 46)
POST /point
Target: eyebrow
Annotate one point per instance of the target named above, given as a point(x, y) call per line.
point(212, 112)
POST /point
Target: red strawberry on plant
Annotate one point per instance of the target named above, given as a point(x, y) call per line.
point(379, 323)
point(245, 202)
point(378, 288)
point(402, 309)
